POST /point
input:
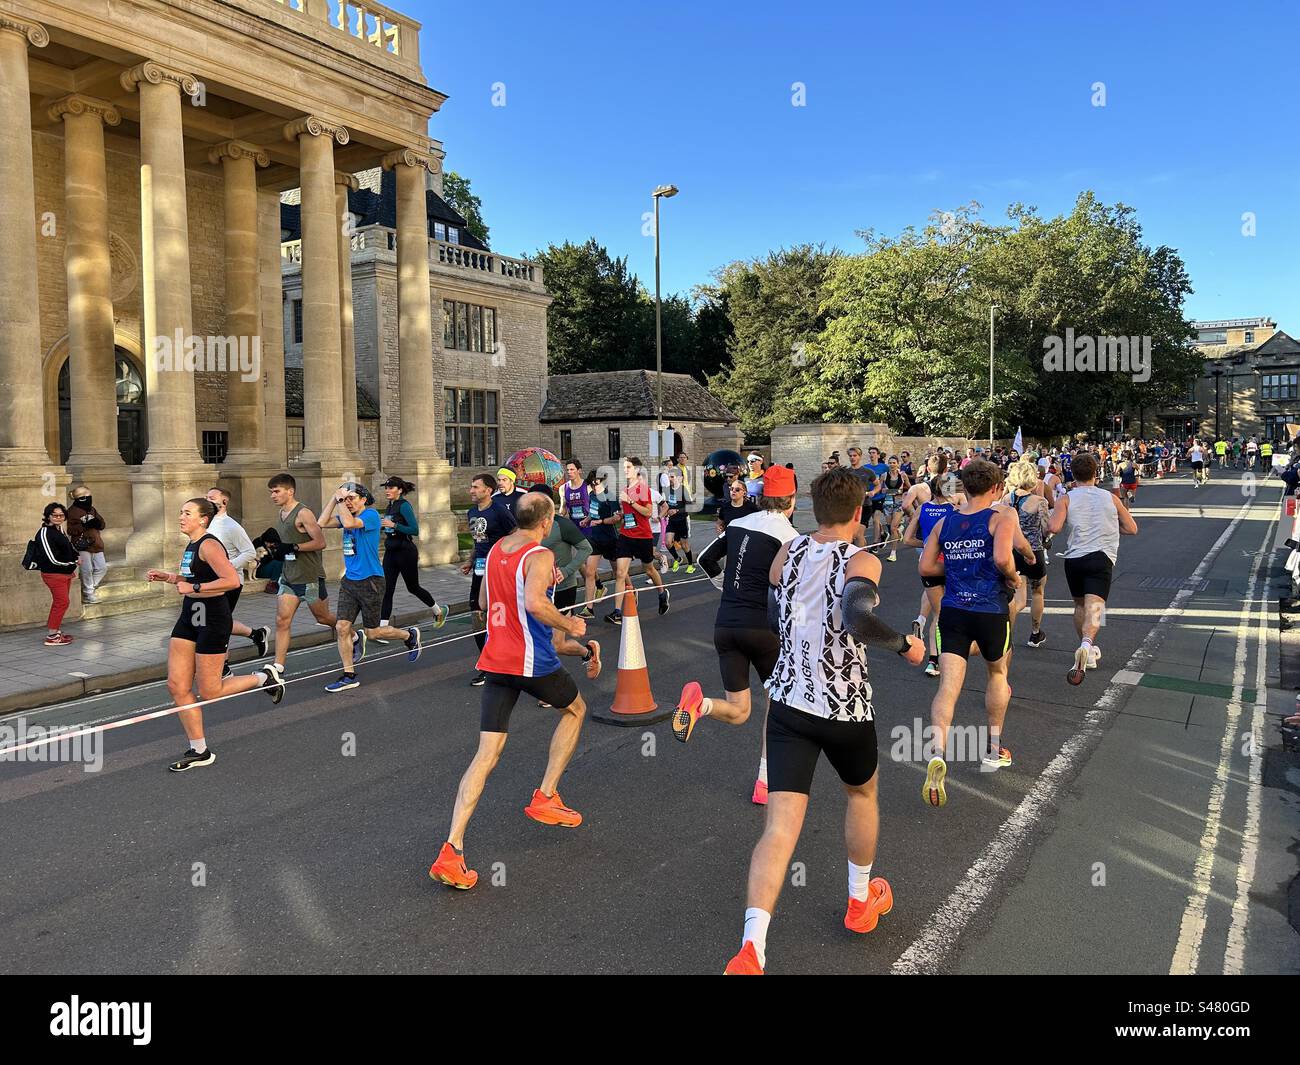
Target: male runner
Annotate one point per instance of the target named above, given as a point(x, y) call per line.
point(635, 540)
point(972, 549)
point(303, 573)
point(876, 498)
point(1196, 456)
point(1094, 519)
point(519, 656)
point(1221, 451)
point(489, 519)
point(507, 490)
point(361, 591)
point(741, 634)
point(824, 597)
point(677, 498)
point(241, 551)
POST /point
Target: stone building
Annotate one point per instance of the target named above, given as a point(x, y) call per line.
point(143, 310)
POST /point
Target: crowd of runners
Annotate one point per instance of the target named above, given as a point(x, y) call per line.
point(799, 610)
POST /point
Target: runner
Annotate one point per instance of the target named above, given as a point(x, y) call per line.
point(944, 497)
point(1128, 479)
point(635, 540)
point(677, 498)
point(603, 516)
point(507, 490)
point(362, 589)
point(895, 485)
point(754, 475)
point(1094, 520)
point(201, 635)
point(299, 547)
point(1252, 453)
point(739, 562)
point(489, 519)
point(1266, 457)
point(1197, 458)
point(973, 549)
point(518, 657)
point(240, 551)
point(824, 597)
point(1031, 511)
point(400, 528)
point(876, 499)
point(1221, 451)
point(736, 506)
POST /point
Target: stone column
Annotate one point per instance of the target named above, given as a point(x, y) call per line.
point(347, 337)
point(420, 459)
point(28, 479)
point(322, 354)
point(92, 373)
point(272, 324)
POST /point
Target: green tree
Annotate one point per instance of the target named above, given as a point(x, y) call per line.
point(460, 197)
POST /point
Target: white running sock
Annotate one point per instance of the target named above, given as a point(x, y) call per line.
point(762, 770)
point(706, 707)
point(859, 881)
point(200, 745)
point(920, 620)
point(756, 922)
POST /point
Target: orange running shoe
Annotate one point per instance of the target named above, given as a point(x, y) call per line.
point(688, 711)
point(593, 664)
point(759, 798)
point(450, 868)
point(552, 811)
point(862, 916)
point(745, 963)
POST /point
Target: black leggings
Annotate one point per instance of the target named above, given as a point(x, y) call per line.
point(402, 559)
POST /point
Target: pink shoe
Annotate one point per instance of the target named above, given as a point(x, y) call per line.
point(59, 639)
point(759, 798)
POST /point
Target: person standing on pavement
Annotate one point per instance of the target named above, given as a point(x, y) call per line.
point(489, 519)
point(240, 550)
point(56, 559)
point(85, 524)
point(400, 529)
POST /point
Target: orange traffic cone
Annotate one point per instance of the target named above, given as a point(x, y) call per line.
point(634, 703)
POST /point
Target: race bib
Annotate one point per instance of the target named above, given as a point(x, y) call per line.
point(593, 510)
point(349, 547)
point(629, 520)
point(187, 564)
point(480, 567)
point(291, 556)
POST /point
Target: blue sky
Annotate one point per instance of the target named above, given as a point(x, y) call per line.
point(910, 107)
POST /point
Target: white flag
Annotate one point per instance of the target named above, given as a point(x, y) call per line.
point(1018, 445)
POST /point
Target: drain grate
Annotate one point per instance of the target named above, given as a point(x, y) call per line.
point(1206, 586)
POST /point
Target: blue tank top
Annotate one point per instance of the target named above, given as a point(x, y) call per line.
point(930, 516)
point(972, 579)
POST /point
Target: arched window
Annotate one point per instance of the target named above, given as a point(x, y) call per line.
point(132, 441)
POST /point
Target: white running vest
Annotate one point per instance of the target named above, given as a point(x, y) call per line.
point(1092, 523)
point(821, 669)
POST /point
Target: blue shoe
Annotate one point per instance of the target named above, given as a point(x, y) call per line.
point(358, 646)
point(413, 644)
point(348, 680)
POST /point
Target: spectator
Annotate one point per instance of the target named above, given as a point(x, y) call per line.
point(84, 527)
point(56, 559)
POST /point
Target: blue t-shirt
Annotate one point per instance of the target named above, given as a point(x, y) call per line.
point(879, 469)
point(361, 547)
point(487, 526)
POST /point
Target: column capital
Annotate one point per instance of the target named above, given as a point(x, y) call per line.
point(350, 180)
point(408, 157)
point(238, 150)
point(316, 127)
point(77, 104)
point(37, 35)
point(156, 74)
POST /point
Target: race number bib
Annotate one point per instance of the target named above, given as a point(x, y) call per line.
point(480, 566)
point(187, 564)
point(629, 520)
point(349, 547)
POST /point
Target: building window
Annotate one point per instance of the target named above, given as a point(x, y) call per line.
point(471, 427)
point(615, 445)
point(566, 444)
point(439, 231)
point(214, 446)
point(297, 321)
point(469, 327)
point(1250, 336)
point(296, 441)
point(1278, 386)
point(453, 235)
point(1275, 426)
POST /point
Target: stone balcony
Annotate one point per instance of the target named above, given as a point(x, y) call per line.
point(367, 30)
point(380, 242)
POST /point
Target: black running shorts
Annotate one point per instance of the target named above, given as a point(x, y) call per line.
point(205, 623)
point(232, 597)
point(934, 582)
point(566, 597)
point(603, 544)
point(958, 629)
point(501, 692)
point(1036, 570)
point(679, 525)
point(1089, 575)
point(640, 548)
point(1198, 465)
point(795, 739)
point(738, 649)
point(364, 597)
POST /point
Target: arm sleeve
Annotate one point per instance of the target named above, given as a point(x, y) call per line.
point(858, 606)
point(404, 521)
point(713, 557)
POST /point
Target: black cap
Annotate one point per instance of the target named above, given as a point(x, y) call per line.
point(394, 482)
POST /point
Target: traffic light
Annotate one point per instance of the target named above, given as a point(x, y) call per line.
point(1119, 422)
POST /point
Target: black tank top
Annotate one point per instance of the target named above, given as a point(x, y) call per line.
point(893, 482)
point(394, 511)
point(193, 569)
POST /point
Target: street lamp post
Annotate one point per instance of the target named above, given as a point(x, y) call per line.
point(992, 307)
point(1218, 373)
point(662, 192)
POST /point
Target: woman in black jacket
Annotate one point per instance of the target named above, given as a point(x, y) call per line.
point(56, 559)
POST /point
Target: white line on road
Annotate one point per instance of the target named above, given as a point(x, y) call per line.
point(939, 938)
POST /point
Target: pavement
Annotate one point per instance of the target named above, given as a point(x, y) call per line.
point(1148, 823)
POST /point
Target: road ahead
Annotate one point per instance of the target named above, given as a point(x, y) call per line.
point(1123, 838)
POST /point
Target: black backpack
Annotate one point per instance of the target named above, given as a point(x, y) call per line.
point(31, 554)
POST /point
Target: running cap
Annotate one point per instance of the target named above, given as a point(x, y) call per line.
point(393, 482)
point(778, 481)
point(505, 471)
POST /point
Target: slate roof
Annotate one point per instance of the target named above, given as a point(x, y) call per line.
point(622, 395)
point(367, 408)
point(381, 209)
point(1278, 344)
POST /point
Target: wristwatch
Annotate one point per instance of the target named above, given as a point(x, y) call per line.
point(196, 588)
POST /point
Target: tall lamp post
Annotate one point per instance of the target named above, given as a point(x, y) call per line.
point(992, 307)
point(662, 192)
point(1218, 373)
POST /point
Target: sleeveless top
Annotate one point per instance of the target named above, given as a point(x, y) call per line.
point(196, 571)
point(1031, 521)
point(516, 642)
point(1092, 523)
point(931, 514)
point(821, 669)
point(893, 484)
point(394, 511)
point(973, 581)
point(302, 568)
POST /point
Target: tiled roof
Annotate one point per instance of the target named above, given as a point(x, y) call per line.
point(630, 394)
point(1278, 344)
point(367, 408)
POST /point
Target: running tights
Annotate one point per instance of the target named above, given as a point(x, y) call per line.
point(402, 560)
